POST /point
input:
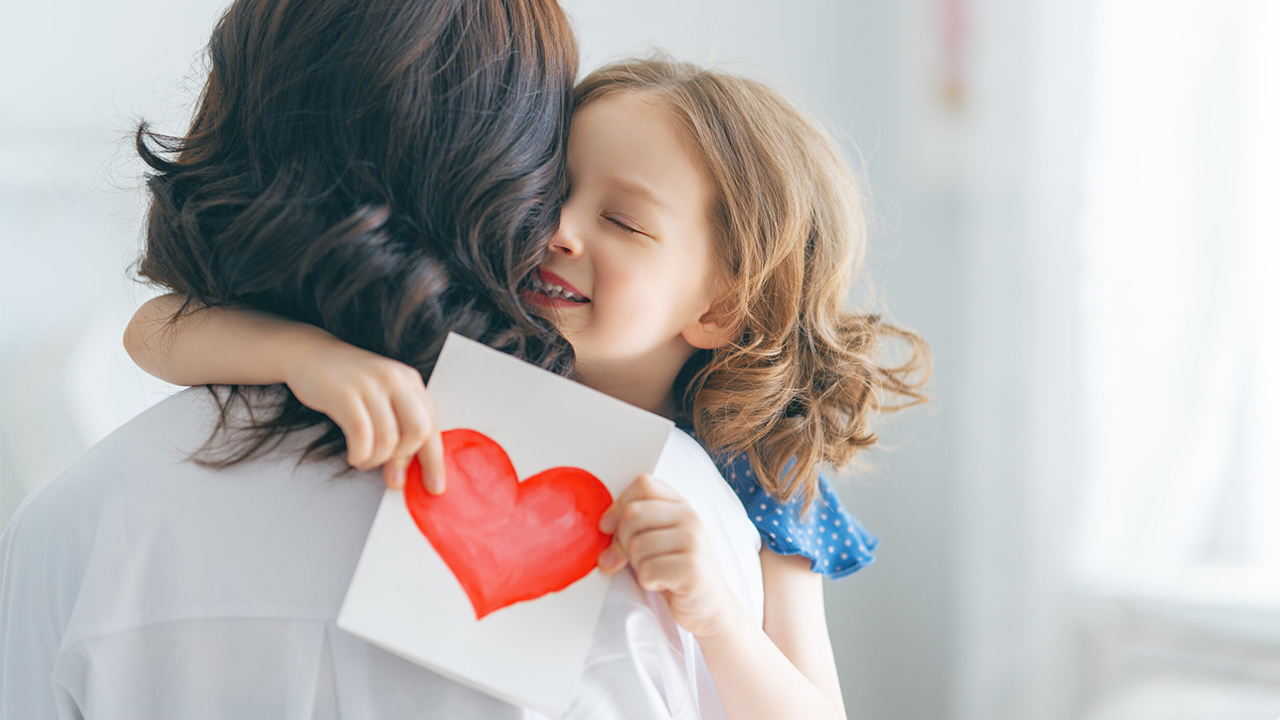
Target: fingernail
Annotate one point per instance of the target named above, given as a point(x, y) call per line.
point(607, 559)
point(608, 523)
point(435, 485)
point(397, 481)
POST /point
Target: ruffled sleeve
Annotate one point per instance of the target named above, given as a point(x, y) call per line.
point(831, 538)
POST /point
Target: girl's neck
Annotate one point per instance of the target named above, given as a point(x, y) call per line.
point(645, 382)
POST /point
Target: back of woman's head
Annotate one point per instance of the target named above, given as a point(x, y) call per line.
point(387, 170)
point(798, 386)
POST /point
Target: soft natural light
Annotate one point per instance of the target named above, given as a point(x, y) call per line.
point(1181, 257)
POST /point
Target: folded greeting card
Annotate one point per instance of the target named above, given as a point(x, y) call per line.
point(494, 583)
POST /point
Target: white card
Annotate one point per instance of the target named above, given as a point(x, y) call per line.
point(404, 595)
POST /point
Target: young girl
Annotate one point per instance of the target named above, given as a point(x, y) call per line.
point(706, 246)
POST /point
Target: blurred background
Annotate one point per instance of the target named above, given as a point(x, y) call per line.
point(1076, 203)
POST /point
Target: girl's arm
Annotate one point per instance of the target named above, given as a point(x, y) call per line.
point(217, 345)
point(795, 619)
point(788, 668)
point(785, 669)
point(380, 405)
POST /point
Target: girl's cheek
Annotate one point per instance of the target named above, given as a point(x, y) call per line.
point(633, 282)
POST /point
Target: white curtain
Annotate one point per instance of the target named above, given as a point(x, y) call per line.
point(1120, 484)
point(1181, 305)
point(1182, 296)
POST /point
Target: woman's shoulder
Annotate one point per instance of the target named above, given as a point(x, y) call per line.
point(832, 539)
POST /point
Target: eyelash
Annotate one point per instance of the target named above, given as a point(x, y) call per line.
point(624, 226)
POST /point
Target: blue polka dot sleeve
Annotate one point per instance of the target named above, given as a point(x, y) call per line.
point(834, 541)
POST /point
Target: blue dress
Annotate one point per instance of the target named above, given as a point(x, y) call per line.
point(832, 539)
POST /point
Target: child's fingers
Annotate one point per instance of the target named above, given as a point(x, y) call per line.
point(640, 516)
point(386, 429)
point(637, 516)
point(661, 541)
point(645, 486)
point(609, 520)
point(432, 456)
point(659, 573)
point(612, 559)
point(430, 460)
point(429, 445)
point(393, 474)
point(655, 488)
point(352, 418)
point(415, 424)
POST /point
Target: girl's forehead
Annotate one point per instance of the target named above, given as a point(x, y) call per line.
point(627, 149)
point(633, 132)
point(627, 110)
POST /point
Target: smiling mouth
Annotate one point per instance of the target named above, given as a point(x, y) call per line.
point(540, 284)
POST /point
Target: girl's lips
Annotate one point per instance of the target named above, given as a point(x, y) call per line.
point(536, 293)
point(555, 279)
point(533, 297)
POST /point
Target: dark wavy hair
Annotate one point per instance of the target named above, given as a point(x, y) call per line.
point(387, 170)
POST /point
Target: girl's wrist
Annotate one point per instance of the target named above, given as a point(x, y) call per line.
point(729, 621)
point(297, 348)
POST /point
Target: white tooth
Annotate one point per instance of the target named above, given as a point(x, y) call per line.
point(558, 288)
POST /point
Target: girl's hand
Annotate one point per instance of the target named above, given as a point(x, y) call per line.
point(380, 404)
point(659, 534)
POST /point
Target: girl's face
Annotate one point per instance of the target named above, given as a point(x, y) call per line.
point(633, 252)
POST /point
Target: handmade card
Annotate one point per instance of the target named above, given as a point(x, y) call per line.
point(494, 583)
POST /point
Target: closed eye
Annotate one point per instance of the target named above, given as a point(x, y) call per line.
point(624, 226)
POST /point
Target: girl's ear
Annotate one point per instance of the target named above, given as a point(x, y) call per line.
point(706, 333)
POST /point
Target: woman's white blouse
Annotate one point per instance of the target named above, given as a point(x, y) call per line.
point(140, 585)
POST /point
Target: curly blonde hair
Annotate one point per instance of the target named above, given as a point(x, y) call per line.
point(802, 379)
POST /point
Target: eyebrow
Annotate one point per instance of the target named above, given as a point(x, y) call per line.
point(636, 189)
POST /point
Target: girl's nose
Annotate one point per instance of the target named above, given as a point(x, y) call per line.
point(566, 241)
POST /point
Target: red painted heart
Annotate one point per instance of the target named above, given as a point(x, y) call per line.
point(507, 541)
